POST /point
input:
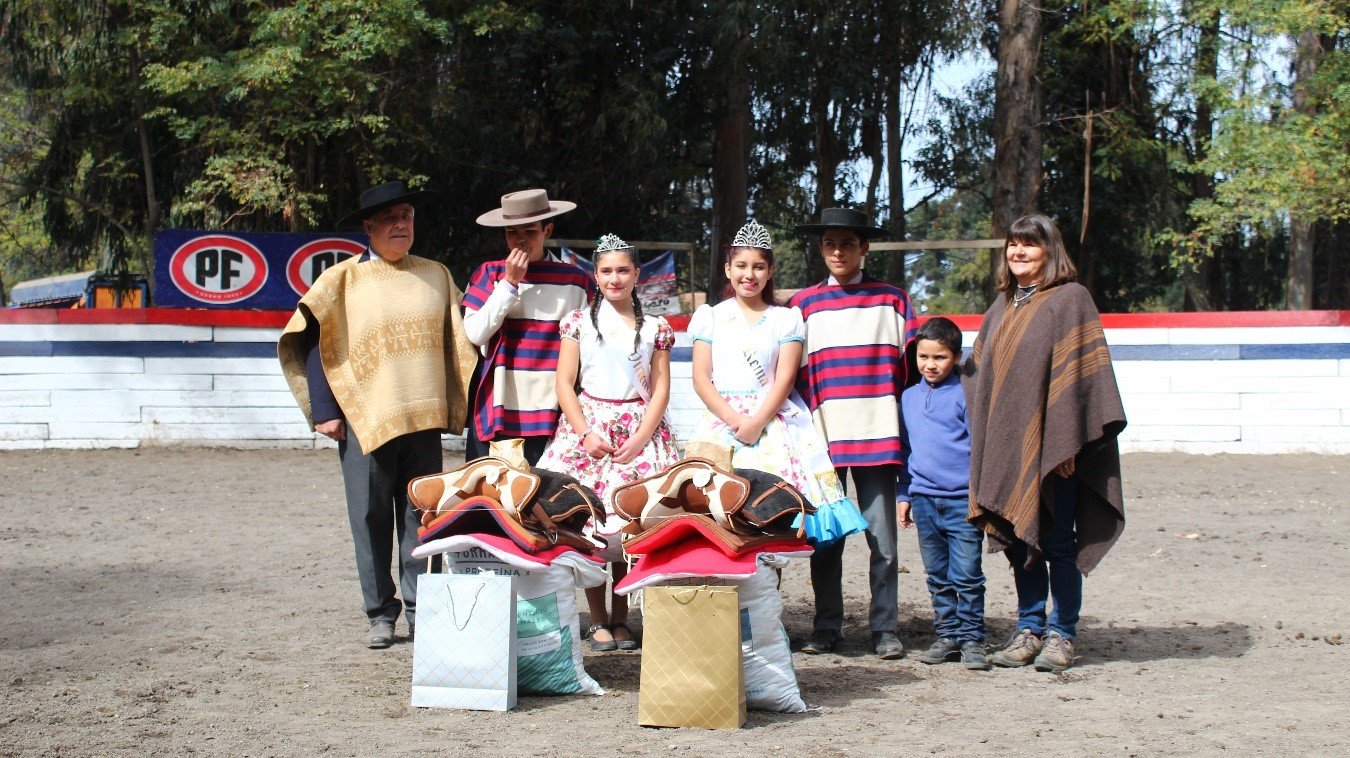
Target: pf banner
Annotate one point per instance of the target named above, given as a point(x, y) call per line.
point(656, 286)
point(243, 270)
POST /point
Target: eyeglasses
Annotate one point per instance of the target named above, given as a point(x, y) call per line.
point(846, 246)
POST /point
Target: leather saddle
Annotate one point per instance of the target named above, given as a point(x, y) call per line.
point(487, 477)
point(537, 509)
point(737, 511)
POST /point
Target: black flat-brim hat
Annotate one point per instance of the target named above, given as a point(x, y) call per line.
point(382, 196)
point(843, 218)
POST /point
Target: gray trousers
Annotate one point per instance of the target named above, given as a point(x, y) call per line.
point(380, 514)
point(875, 487)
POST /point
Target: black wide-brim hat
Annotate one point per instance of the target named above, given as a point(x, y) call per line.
point(382, 196)
point(843, 218)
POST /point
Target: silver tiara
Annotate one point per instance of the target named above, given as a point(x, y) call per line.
point(610, 243)
point(753, 235)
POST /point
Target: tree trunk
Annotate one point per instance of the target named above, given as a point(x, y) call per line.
point(1200, 278)
point(152, 207)
point(827, 166)
point(731, 162)
point(892, 75)
point(1017, 118)
point(1299, 286)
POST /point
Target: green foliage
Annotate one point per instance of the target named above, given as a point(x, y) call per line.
point(125, 116)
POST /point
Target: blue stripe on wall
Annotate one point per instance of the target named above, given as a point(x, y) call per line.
point(1175, 352)
point(25, 349)
point(92, 349)
point(1287, 352)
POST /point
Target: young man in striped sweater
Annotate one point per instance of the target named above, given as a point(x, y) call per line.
point(511, 312)
point(853, 372)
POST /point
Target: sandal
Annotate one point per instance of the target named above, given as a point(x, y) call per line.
point(628, 644)
point(601, 646)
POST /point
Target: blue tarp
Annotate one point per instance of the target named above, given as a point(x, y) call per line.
point(60, 291)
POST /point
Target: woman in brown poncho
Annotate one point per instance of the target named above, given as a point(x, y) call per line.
point(1044, 413)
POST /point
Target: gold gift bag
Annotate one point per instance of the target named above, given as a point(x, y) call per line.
point(719, 454)
point(691, 658)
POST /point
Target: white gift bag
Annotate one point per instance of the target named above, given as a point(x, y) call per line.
point(465, 652)
point(549, 653)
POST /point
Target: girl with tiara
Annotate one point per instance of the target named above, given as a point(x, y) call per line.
point(613, 429)
point(746, 353)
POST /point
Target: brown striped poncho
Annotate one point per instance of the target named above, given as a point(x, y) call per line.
point(1040, 390)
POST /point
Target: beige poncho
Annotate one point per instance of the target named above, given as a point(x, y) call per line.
point(1040, 390)
point(392, 343)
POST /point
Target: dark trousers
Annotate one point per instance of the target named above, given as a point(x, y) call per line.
point(875, 487)
point(380, 515)
point(1055, 575)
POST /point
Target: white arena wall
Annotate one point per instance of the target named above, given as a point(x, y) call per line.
point(1200, 382)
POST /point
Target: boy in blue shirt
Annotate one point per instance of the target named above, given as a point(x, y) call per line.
point(933, 494)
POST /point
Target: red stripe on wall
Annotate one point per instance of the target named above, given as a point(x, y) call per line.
point(968, 322)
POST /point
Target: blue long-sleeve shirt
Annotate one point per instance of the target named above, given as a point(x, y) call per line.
point(936, 440)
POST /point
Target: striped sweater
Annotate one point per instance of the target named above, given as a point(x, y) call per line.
point(515, 395)
point(853, 369)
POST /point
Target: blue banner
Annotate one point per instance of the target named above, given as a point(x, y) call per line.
point(243, 270)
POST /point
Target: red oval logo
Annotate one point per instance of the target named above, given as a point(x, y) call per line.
point(218, 269)
point(313, 258)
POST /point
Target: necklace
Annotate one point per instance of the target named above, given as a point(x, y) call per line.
point(1023, 294)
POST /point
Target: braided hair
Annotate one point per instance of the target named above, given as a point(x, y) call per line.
point(637, 323)
point(637, 304)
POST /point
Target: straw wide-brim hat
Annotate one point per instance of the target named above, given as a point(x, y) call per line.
point(843, 218)
point(525, 207)
point(382, 196)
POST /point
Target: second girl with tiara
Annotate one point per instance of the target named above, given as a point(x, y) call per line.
point(746, 353)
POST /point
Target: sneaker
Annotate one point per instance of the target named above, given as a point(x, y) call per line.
point(822, 641)
point(1020, 650)
point(381, 635)
point(887, 646)
point(973, 657)
point(1057, 654)
point(942, 650)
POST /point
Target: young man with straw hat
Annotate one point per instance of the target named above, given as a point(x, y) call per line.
point(857, 328)
point(377, 359)
point(511, 312)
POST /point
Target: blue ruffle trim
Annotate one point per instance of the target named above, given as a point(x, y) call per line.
point(832, 522)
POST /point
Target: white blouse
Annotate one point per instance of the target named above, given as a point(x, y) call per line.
point(610, 368)
point(744, 355)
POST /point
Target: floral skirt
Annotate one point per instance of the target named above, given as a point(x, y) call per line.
point(791, 448)
point(614, 421)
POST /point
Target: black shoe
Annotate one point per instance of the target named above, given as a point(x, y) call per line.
point(601, 646)
point(412, 632)
point(822, 641)
point(625, 644)
point(973, 657)
point(381, 635)
point(942, 650)
point(887, 646)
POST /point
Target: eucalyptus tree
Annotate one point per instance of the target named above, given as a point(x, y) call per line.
point(1281, 151)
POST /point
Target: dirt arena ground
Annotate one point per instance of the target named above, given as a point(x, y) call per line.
point(198, 601)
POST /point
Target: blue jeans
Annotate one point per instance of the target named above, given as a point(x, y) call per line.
point(1055, 574)
point(951, 557)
